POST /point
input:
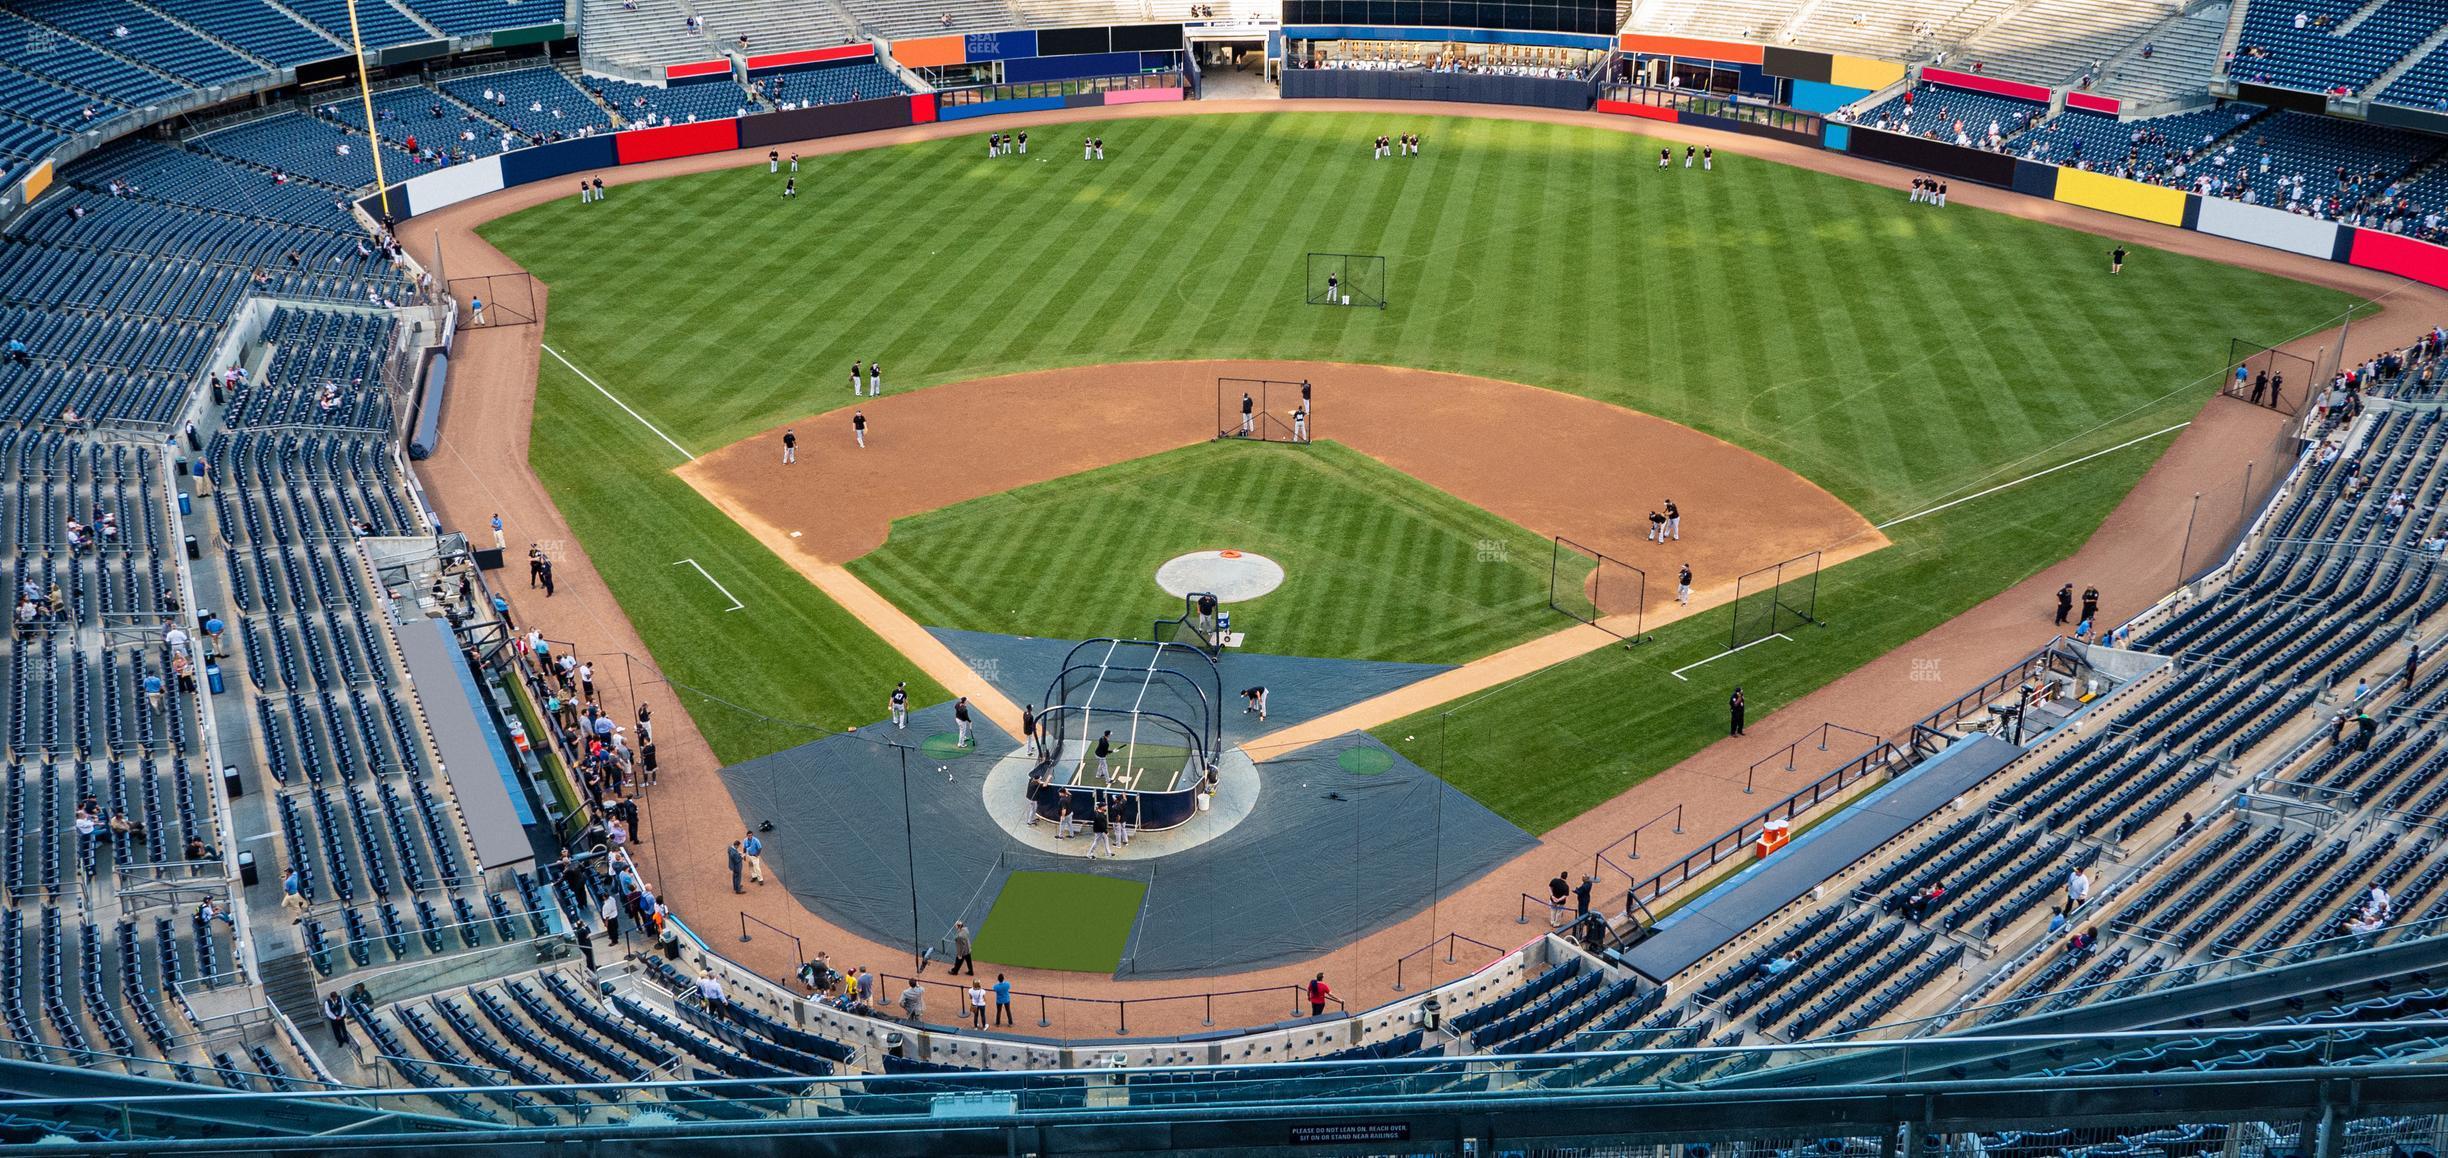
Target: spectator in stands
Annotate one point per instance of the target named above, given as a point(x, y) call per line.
point(913, 1001)
point(293, 895)
point(209, 912)
point(1779, 966)
point(710, 989)
point(124, 829)
point(2078, 889)
point(18, 353)
point(1318, 994)
point(198, 850)
point(2057, 919)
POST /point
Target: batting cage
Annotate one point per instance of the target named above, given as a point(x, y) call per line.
point(1596, 588)
point(1264, 410)
point(1772, 599)
point(2271, 377)
point(1347, 279)
point(1156, 706)
point(509, 299)
point(1197, 626)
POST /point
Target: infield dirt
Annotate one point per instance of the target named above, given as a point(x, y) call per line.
point(483, 467)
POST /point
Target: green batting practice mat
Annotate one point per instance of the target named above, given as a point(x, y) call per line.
point(1071, 921)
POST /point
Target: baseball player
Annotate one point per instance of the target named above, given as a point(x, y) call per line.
point(1657, 527)
point(1036, 788)
point(858, 383)
point(1254, 700)
point(1064, 822)
point(1334, 283)
point(1102, 823)
point(773, 161)
point(1690, 154)
point(790, 447)
point(1104, 752)
point(1683, 585)
point(899, 703)
point(960, 721)
point(1665, 159)
point(1248, 419)
point(1300, 423)
point(1708, 159)
point(875, 379)
point(790, 186)
point(1087, 148)
point(1028, 728)
point(1674, 522)
point(858, 427)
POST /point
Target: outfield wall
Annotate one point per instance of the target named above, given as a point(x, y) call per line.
point(2367, 248)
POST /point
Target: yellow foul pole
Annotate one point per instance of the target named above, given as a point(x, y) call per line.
point(365, 93)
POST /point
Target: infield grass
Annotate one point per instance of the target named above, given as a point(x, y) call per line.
point(1896, 354)
point(1071, 921)
point(1377, 564)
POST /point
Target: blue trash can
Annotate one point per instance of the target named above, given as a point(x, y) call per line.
point(184, 509)
point(212, 677)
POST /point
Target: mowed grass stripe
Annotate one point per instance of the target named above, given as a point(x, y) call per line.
point(791, 654)
point(1800, 315)
point(1378, 566)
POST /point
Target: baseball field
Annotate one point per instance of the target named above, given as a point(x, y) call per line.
point(1893, 355)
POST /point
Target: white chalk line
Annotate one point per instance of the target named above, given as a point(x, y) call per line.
point(658, 433)
point(736, 605)
point(2035, 474)
point(1678, 672)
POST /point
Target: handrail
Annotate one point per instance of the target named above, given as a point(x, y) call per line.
point(1260, 1079)
point(1790, 749)
point(1449, 940)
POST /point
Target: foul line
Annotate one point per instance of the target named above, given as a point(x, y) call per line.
point(1678, 672)
point(2027, 478)
point(736, 605)
point(667, 439)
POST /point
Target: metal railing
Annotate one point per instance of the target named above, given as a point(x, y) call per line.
point(1734, 840)
point(1449, 940)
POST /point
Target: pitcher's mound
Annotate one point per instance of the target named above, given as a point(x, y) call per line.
point(1230, 576)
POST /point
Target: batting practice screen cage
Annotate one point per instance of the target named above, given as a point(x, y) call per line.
point(1277, 410)
point(1196, 625)
point(2289, 376)
point(1347, 279)
point(1771, 599)
point(509, 298)
point(1163, 702)
point(1596, 588)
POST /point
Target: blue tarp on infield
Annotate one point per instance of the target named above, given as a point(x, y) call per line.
point(1328, 855)
point(1298, 688)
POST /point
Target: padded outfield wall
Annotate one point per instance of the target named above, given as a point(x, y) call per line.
point(2371, 249)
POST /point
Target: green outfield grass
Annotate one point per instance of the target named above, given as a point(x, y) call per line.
point(1377, 565)
point(1070, 921)
point(1544, 749)
point(1896, 354)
